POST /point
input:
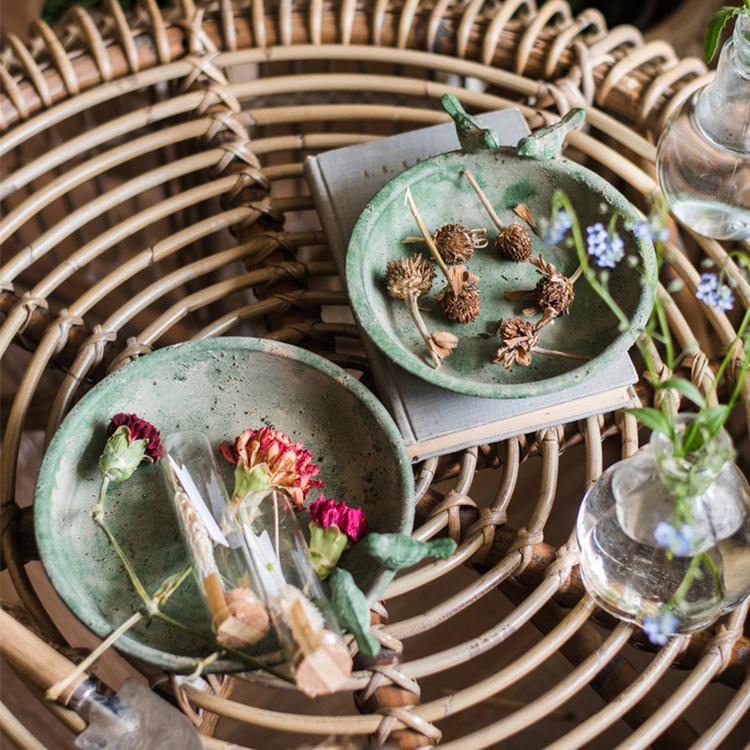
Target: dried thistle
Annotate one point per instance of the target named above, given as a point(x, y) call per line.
point(407, 276)
point(461, 307)
point(408, 279)
point(520, 338)
point(457, 243)
point(554, 291)
point(513, 241)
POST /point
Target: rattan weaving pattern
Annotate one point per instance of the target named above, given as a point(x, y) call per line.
point(139, 173)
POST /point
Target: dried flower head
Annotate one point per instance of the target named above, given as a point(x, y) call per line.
point(462, 307)
point(405, 277)
point(131, 441)
point(268, 458)
point(518, 338)
point(457, 243)
point(554, 291)
point(514, 242)
point(139, 429)
point(325, 511)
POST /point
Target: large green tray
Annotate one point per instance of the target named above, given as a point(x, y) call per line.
point(444, 196)
point(219, 387)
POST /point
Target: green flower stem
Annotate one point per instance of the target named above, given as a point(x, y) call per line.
point(103, 487)
point(693, 572)
point(134, 579)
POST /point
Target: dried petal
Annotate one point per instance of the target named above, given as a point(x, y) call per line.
point(139, 429)
point(271, 453)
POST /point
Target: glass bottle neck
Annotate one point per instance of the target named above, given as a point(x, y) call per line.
point(689, 476)
point(722, 108)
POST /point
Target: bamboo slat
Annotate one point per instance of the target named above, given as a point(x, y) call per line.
point(151, 191)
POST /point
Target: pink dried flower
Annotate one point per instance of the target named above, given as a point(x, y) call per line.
point(332, 527)
point(269, 457)
point(139, 429)
point(350, 521)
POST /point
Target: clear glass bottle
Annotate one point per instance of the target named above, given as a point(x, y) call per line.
point(301, 613)
point(703, 158)
point(223, 570)
point(624, 568)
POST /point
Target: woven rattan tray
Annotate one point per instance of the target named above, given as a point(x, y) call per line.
point(152, 193)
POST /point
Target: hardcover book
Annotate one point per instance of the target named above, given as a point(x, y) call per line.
point(432, 420)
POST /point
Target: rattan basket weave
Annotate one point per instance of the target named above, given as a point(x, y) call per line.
point(152, 192)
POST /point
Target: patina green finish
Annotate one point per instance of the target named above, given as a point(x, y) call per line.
point(218, 387)
point(444, 196)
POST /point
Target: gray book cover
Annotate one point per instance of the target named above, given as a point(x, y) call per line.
point(435, 421)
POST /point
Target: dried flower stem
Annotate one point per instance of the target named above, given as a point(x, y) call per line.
point(53, 693)
point(483, 198)
point(558, 353)
point(429, 241)
point(413, 308)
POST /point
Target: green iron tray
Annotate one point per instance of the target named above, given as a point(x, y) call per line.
point(529, 175)
point(218, 387)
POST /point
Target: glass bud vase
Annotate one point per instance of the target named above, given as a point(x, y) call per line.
point(301, 613)
point(223, 571)
point(703, 157)
point(661, 534)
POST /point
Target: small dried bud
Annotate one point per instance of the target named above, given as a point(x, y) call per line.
point(405, 277)
point(456, 243)
point(514, 243)
point(462, 307)
point(554, 292)
point(443, 343)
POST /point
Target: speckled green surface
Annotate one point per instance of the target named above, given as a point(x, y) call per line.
point(443, 196)
point(219, 387)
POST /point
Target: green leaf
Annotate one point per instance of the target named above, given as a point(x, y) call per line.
point(705, 426)
point(652, 418)
point(397, 551)
point(686, 388)
point(353, 611)
point(715, 27)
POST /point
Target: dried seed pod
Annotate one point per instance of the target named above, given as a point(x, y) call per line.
point(554, 292)
point(514, 242)
point(457, 243)
point(462, 307)
point(407, 276)
point(518, 338)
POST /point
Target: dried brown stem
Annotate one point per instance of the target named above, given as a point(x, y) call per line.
point(428, 239)
point(413, 308)
point(482, 197)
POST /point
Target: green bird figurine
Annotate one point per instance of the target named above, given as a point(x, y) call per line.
point(547, 143)
point(472, 135)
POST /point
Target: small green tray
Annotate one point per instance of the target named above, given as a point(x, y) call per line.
point(218, 387)
point(527, 175)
